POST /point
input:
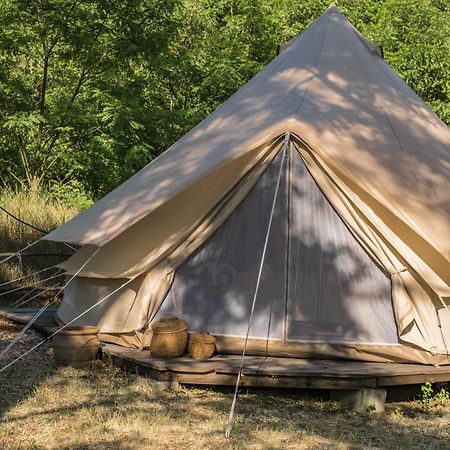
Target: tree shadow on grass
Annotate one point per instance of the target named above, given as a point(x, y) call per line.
point(18, 381)
point(193, 417)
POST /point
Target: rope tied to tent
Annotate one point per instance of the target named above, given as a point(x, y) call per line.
point(258, 280)
point(41, 311)
point(34, 227)
point(24, 300)
point(67, 324)
point(26, 276)
point(20, 251)
point(34, 283)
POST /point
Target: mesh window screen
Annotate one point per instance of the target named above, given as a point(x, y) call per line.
point(213, 290)
point(336, 292)
point(329, 290)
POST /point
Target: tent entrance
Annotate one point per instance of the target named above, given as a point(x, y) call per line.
point(317, 285)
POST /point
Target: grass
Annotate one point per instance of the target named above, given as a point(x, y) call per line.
point(43, 406)
point(42, 211)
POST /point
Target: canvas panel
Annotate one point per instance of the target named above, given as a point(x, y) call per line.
point(154, 284)
point(144, 244)
point(117, 313)
point(416, 305)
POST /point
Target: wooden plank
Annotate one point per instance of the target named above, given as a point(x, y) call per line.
point(213, 378)
point(280, 372)
point(278, 366)
point(261, 370)
point(278, 382)
point(399, 380)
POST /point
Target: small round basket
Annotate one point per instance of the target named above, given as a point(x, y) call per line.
point(169, 338)
point(201, 345)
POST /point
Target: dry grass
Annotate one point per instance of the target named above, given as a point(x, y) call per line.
point(44, 213)
point(46, 407)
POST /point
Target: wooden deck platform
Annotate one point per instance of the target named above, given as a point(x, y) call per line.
point(258, 370)
point(276, 372)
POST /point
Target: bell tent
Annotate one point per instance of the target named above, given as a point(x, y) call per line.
point(319, 190)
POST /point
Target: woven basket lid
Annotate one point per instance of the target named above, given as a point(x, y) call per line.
point(169, 325)
point(203, 337)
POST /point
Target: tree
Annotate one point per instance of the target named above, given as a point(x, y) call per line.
point(92, 90)
point(70, 86)
point(415, 36)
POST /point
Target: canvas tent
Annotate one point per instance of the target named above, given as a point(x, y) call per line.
point(357, 262)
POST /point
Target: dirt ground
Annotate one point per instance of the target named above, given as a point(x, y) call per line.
point(43, 406)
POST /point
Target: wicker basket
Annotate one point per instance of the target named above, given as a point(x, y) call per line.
point(201, 345)
point(169, 339)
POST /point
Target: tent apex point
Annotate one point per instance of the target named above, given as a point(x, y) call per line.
point(333, 8)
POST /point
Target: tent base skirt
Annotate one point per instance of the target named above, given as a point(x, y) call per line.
point(380, 353)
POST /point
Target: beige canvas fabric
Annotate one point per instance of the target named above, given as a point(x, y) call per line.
point(345, 103)
point(151, 287)
point(172, 223)
point(379, 154)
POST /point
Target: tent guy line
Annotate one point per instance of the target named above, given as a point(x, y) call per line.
point(258, 280)
point(34, 283)
point(24, 330)
point(31, 226)
point(2, 369)
point(23, 222)
point(40, 312)
point(26, 276)
point(23, 301)
point(20, 251)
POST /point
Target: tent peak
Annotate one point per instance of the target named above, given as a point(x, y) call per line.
point(333, 9)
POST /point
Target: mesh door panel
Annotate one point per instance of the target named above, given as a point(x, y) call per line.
point(213, 290)
point(336, 292)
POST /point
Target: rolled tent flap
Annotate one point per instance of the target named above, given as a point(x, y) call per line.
point(173, 222)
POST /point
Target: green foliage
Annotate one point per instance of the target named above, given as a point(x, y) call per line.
point(72, 194)
point(427, 395)
point(92, 90)
point(429, 398)
point(399, 414)
point(71, 88)
point(415, 36)
point(371, 408)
